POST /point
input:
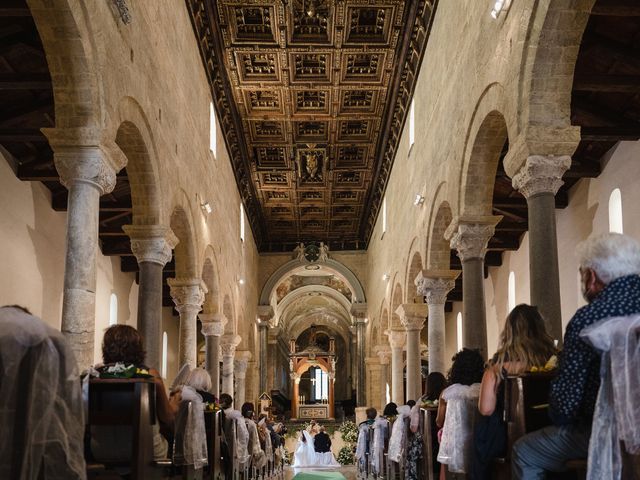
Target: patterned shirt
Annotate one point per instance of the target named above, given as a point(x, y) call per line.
point(574, 391)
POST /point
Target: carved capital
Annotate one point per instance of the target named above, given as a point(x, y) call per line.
point(435, 285)
point(359, 313)
point(265, 315)
point(396, 338)
point(215, 329)
point(384, 353)
point(228, 345)
point(413, 315)
point(187, 293)
point(541, 174)
point(295, 377)
point(469, 236)
point(151, 243)
point(240, 363)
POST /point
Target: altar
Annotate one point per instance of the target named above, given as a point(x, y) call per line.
point(322, 364)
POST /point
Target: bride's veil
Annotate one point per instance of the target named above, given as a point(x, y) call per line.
point(311, 449)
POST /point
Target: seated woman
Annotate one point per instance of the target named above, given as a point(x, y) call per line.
point(200, 380)
point(436, 383)
point(457, 411)
point(123, 344)
point(524, 343)
point(258, 457)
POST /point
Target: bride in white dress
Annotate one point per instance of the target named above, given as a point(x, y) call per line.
point(306, 455)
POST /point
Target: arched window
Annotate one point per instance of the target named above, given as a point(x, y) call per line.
point(459, 330)
point(615, 211)
point(213, 130)
point(165, 347)
point(412, 123)
point(113, 309)
point(512, 291)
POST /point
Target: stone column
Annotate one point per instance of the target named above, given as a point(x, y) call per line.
point(240, 363)
point(265, 316)
point(384, 355)
point(539, 180)
point(213, 329)
point(470, 236)
point(412, 317)
point(88, 171)
point(359, 314)
point(396, 341)
point(152, 245)
point(228, 347)
point(434, 285)
point(188, 296)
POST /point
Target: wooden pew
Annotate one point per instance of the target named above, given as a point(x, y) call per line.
point(427, 421)
point(127, 402)
point(213, 426)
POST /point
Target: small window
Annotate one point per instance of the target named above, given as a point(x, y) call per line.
point(241, 222)
point(412, 123)
point(213, 130)
point(459, 330)
point(384, 215)
point(165, 346)
point(615, 211)
point(512, 291)
point(113, 309)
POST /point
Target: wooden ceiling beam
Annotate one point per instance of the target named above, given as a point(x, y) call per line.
point(619, 8)
point(610, 134)
point(25, 81)
point(17, 135)
point(583, 170)
point(607, 83)
point(507, 226)
point(15, 11)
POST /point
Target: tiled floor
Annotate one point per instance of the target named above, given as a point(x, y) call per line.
point(348, 472)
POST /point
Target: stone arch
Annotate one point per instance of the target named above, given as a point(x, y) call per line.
point(384, 320)
point(439, 256)
point(76, 90)
point(212, 280)
point(414, 267)
point(548, 62)
point(185, 250)
point(485, 140)
point(341, 270)
point(396, 301)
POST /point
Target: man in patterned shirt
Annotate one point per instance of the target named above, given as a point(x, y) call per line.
point(609, 273)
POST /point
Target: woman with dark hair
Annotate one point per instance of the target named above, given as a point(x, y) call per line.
point(258, 457)
point(390, 411)
point(122, 344)
point(436, 383)
point(458, 409)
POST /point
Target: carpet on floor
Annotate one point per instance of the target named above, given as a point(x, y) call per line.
point(319, 476)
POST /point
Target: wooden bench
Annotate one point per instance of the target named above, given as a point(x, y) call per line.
point(427, 421)
point(130, 403)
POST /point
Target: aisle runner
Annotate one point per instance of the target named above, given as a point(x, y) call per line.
point(319, 476)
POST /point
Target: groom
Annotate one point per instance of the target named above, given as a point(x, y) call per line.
point(322, 442)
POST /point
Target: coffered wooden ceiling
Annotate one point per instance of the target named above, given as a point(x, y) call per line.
point(312, 96)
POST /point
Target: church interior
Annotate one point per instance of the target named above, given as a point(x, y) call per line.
point(318, 202)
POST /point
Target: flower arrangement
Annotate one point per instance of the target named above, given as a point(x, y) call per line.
point(349, 432)
point(120, 370)
point(345, 456)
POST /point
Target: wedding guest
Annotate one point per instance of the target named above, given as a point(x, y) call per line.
point(123, 344)
point(40, 401)
point(458, 409)
point(362, 446)
point(524, 343)
point(436, 383)
point(258, 458)
point(610, 280)
point(200, 380)
point(390, 411)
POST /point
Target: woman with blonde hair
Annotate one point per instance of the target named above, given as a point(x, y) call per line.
point(524, 343)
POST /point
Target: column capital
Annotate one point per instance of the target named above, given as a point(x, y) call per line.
point(469, 235)
point(187, 292)
point(436, 284)
point(413, 315)
point(265, 315)
point(228, 344)
point(151, 243)
point(240, 363)
point(384, 353)
point(82, 155)
point(295, 377)
point(396, 337)
point(359, 313)
point(541, 174)
point(213, 324)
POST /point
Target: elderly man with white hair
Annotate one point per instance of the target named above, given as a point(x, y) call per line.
point(609, 273)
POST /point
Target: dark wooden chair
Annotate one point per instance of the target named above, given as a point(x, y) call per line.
point(213, 425)
point(127, 403)
point(427, 421)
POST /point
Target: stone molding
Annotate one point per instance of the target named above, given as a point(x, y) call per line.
point(435, 285)
point(359, 313)
point(469, 236)
point(187, 293)
point(396, 338)
point(541, 174)
point(413, 315)
point(215, 329)
point(151, 243)
point(228, 345)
